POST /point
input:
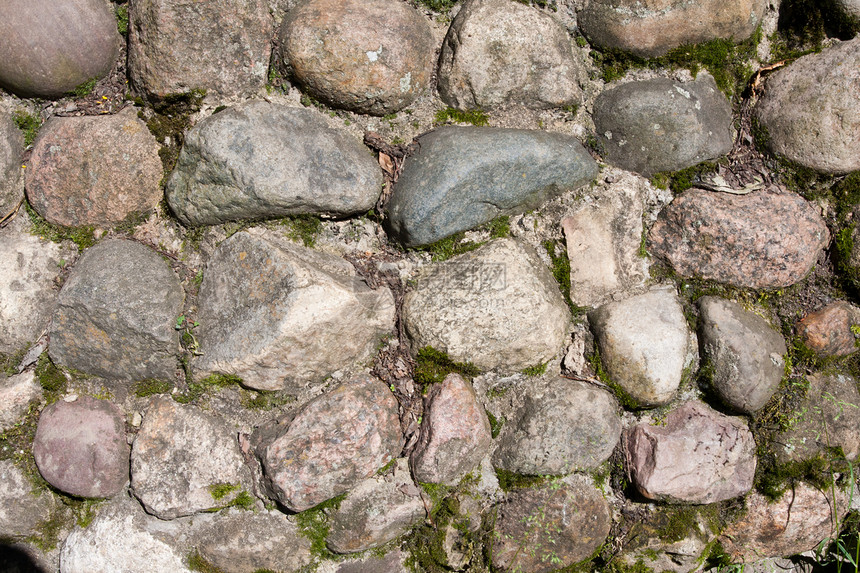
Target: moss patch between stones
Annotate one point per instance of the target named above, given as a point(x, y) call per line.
point(432, 366)
point(83, 237)
point(476, 117)
point(28, 124)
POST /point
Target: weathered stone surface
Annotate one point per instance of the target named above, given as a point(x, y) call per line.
point(851, 7)
point(796, 523)
point(281, 316)
point(123, 538)
point(28, 293)
point(333, 443)
point(828, 417)
point(644, 342)
point(658, 543)
point(455, 434)
point(376, 511)
point(243, 542)
point(368, 56)
point(260, 160)
point(765, 239)
point(16, 394)
point(465, 176)
point(651, 29)
point(603, 246)
point(11, 177)
point(828, 331)
point(497, 307)
point(697, 456)
point(743, 351)
point(52, 46)
point(391, 562)
point(219, 46)
point(94, 170)
point(81, 449)
point(808, 114)
point(563, 425)
point(116, 314)
point(20, 510)
point(179, 458)
point(498, 52)
point(662, 124)
point(551, 526)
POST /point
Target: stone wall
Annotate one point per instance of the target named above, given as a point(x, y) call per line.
point(381, 286)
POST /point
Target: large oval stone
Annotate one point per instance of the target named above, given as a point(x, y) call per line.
point(767, 239)
point(811, 112)
point(368, 56)
point(463, 177)
point(260, 160)
point(50, 47)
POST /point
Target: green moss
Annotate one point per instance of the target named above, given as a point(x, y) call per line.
point(211, 382)
point(83, 237)
point(621, 394)
point(495, 424)
point(221, 490)
point(448, 247)
point(51, 379)
point(536, 370)
point(131, 222)
point(561, 272)
point(304, 228)
point(9, 362)
point(313, 524)
point(474, 117)
point(432, 366)
point(264, 400)
point(510, 481)
point(196, 562)
point(386, 467)
point(151, 387)
point(443, 6)
point(28, 124)
point(171, 120)
point(48, 531)
point(85, 88)
point(122, 19)
point(804, 24)
point(681, 180)
point(500, 227)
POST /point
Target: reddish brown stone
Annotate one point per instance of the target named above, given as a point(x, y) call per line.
point(828, 331)
point(766, 239)
point(94, 170)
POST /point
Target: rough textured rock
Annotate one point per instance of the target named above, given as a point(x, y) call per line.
point(465, 176)
point(260, 160)
point(651, 29)
point(643, 343)
point(392, 562)
point(662, 124)
point(180, 457)
point(244, 542)
point(50, 47)
point(697, 456)
point(81, 449)
point(828, 417)
point(16, 394)
point(766, 239)
point(551, 526)
point(603, 246)
point(28, 293)
point(794, 524)
point(11, 177)
point(497, 307)
point(455, 433)
point(116, 314)
point(808, 114)
point(281, 316)
point(333, 443)
point(219, 46)
point(851, 7)
point(498, 52)
point(376, 511)
point(563, 425)
point(659, 544)
point(367, 56)
point(828, 331)
point(123, 538)
point(94, 170)
point(743, 351)
point(20, 510)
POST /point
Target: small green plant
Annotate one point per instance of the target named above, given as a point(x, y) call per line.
point(474, 117)
point(122, 19)
point(85, 88)
point(151, 387)
point(495, 424)
point(432, 366)
point(450, 246)
point(28, 124)
point(304, 228)
point(186, 337)
point(443, 6)
point(196, 562)
point(83, 237)
point(211, 382)
point(536, 370)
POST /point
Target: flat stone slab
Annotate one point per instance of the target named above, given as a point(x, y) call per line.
point(16, 394)
point(281, 316)
point(11, 175)
point(462, 177)
point(562, 426)
point(497, 307)
point(644, 344)
point(94, 170)
point(697, 456)
point(808, 114)
point(333, 443)
point(744, 353)
point(125, 300)
point(662, 124)
point(367, 56)
point(81, 449)
point(766, 239)
point(497, 53)
point(455, 433)
point(828, 331)
point(260, 160)
point(651, 29)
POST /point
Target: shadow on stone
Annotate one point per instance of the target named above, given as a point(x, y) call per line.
point(16, 560)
